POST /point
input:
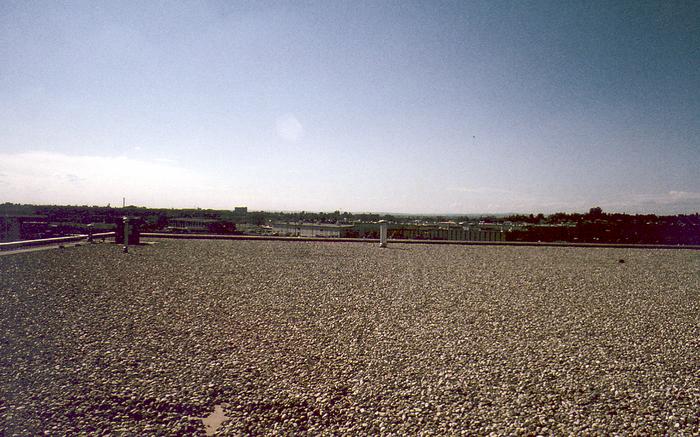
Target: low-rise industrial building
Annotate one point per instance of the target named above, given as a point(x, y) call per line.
point(442, 231)
point(190, 224)
point(312, 230)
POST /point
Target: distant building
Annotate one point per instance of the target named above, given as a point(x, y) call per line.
point(481, 233)
point(22, 227)
point(190, 224)
point(441, 231)
point(200, 225)
point(240, 214)
point(427, 231)
point(311, 230)
point(247, 228)
point(10, 229)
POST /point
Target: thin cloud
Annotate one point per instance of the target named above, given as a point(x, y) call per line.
point(482, 190)
point(671, 202)
point(492, 200)
point(166, 161)
point(48, 177)
point(683, 195)
point(289, 128)
point(74, 179)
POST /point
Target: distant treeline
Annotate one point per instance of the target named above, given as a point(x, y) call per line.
point(594, 226)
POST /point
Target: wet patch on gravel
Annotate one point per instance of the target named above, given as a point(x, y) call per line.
point(213, 421)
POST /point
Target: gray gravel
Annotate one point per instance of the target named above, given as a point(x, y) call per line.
point(349, 338)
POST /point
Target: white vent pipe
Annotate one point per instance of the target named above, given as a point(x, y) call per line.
point(382, 233)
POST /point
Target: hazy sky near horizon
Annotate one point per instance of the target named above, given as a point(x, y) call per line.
point(416, 107)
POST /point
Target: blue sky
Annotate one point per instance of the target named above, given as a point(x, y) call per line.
point(417, 107)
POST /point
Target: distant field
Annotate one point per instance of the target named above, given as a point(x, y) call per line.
point(350, 338)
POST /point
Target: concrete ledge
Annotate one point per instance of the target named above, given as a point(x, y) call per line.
point(48, 241)
point(452, 242)
point(27, 243)
point(254, 237)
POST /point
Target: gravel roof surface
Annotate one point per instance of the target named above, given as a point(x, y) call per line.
point(349, 338)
